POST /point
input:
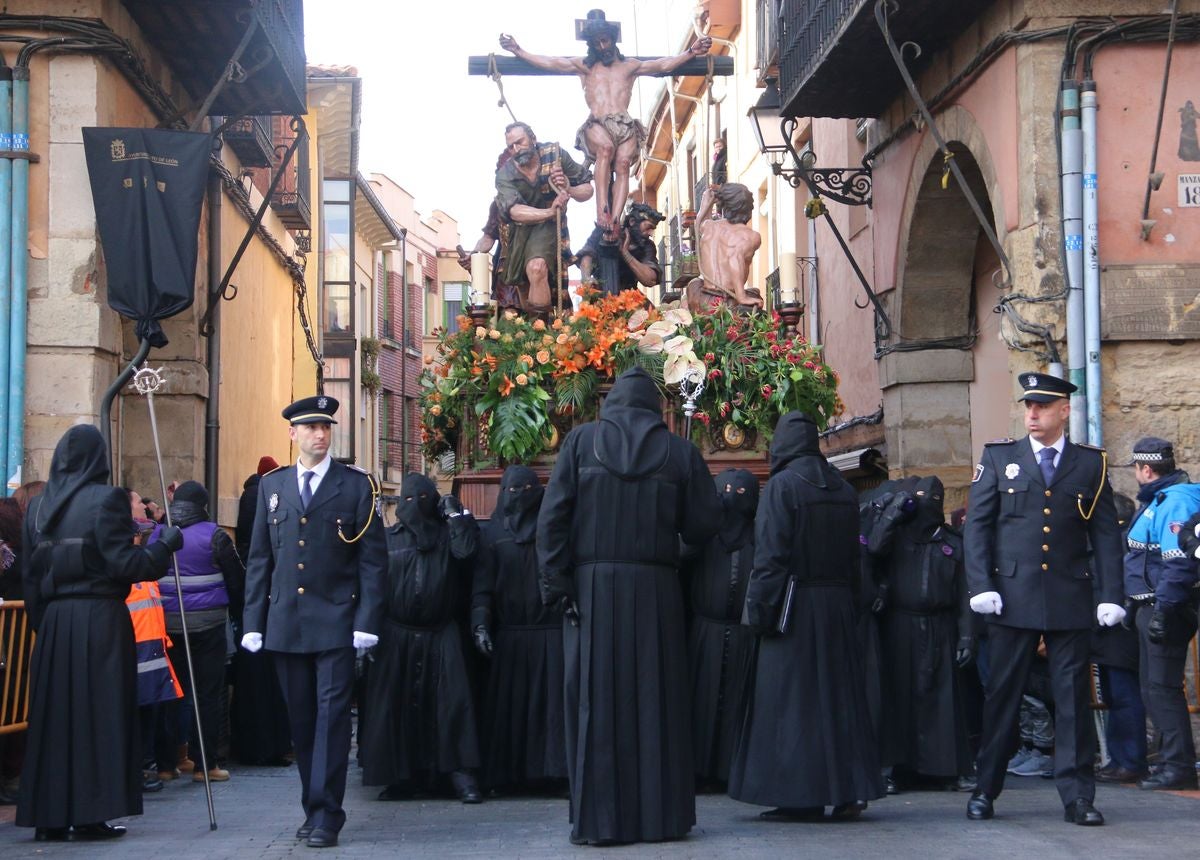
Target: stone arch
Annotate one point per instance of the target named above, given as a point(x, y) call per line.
point(940, 257)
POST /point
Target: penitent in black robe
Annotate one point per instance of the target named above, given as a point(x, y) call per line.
point(719, 647)
point(522, 727)
point(420, 718)
point(623, 491)
point(806, 740)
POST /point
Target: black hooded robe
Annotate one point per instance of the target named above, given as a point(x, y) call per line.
point(522, 728)
point(719, 647)
point(926, 613)
point(421, 717)
point(83, 763)
point(806, 739)
point(623, 491)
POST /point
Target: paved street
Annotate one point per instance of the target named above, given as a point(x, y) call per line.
point(258, 814)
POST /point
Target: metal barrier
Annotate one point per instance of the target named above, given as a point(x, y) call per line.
point(16, 644)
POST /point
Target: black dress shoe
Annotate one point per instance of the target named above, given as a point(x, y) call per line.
point(95, 832)
point(848, 811)
point(794, 813)
point(1082, 812)
point(466, 787)
point(1114, 774)
point(964, 783)
point(979, 807)
point(394, 792)
point(1170, 779)
point(52, 834)
point(304, 830)
point(322, 838)
point(891, 786)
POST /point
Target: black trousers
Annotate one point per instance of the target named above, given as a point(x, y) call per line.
point(175, 717)
point(1160, 673)
point(317, 689)
point(1012, 651)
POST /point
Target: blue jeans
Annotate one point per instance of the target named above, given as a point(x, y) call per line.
point(1126, 732)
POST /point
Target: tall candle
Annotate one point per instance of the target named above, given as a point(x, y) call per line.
point(787, 278)
point(481, 278)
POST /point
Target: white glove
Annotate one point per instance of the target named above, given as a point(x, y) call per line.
point(987, 603)
point(365, 640)
point(252, 642)
point(1196, 530)
point(1109, 614)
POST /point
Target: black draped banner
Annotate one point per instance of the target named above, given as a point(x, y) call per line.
point(148, 189)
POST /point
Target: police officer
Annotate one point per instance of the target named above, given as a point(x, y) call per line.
point(314, 591)
point(1041, 524)
point(1160, 582)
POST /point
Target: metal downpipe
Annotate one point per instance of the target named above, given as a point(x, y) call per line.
point(18, 308)
point(212, 409)
point(1071, 170)
point(1091, 265)
point(6, 197)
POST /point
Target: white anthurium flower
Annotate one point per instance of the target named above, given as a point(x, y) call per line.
point(676, 367)
point(650, 342)
point(679, 345)
point(679, 316)
point(637, 319)
point(662, 328)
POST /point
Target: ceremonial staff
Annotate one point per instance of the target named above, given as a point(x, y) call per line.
point(146, 381)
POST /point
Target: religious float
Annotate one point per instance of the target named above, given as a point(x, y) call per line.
point(507, 389)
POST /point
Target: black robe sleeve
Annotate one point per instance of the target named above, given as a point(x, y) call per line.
point(774, 527)
point(226, 557)
point(701, 504)
point(464, 536)
point(554, 525)
point(127, 562)
point(483, 585)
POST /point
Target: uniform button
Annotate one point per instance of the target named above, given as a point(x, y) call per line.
point(354, 597)
point(1045, 567)
point(1046, 529)
point(1011, 490)
point(1045, 547)
point(300, 566)
point(339, 522)
point(304, 520)
point(302, 542)
point(300, 590)
point(1047, 496)
point(1045, 511)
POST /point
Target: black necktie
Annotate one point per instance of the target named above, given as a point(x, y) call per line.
point(1046, 462)
point(306, 490)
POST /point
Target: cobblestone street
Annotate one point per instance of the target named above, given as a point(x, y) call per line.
point(258, 812)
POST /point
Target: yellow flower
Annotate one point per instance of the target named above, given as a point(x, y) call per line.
point(494, 334)
point(510, 315)
point(480, 331)
point(522, 379)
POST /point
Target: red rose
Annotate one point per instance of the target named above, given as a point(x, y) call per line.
point(766, 391)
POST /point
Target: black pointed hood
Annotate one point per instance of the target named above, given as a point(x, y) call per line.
point(738, 490)
point(417, 510)
point(796, 446)
point(631, 439)
point(930, 514)
point(520, 501)
point(80, 458)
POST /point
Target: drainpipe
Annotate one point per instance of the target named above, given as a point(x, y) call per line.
point(6, 165)
point(1072, 230)
point(20, 298)
point(403, 352)
point(1091, 270)
point(814, 287)
point(212, 409)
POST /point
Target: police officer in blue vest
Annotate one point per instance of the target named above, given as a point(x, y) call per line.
point(1160, 584)
point(1041, 528)
point(314, 594)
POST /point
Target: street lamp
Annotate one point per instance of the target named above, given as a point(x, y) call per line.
point(773, 133)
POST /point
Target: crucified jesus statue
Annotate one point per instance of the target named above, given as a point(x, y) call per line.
point(610, 137)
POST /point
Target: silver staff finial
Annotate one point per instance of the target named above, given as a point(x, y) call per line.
point(147, 380)
point(690, 388)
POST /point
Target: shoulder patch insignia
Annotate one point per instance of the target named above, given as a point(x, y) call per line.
point(1175, 527)
point(978, 473)
point(1000, 442)
point(357, 468)
point(1095, 448)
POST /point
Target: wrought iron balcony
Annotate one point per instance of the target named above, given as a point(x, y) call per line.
point(197, 40)
point(698, 191)
point(291, 198)
point(250, 139)
point(768, 39)
point(833, 61)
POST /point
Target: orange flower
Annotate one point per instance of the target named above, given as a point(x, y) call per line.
point(506, 386)
point(595, 357)
point(562, 338)
point(539, 325)
point(429, 359)
point(572, 365)
point(527, 359)
point(558, 323)
point(522, 379)
point(543, 356)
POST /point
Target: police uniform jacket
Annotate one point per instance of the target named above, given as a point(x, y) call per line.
point(1042, 547)
point(1156, 568)
point(307, 589)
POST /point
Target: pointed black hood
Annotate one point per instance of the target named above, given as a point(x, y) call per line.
point(738, 490)
point(631, 439)
point(417, 510)
point(80, 458)
point(520, 501)
point(796, 446)
point(930, 514)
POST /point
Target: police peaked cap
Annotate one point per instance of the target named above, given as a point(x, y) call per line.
point(1152, 450)
point(318, 409)
point(1044, 388)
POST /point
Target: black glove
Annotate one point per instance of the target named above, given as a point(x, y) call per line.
point(1188, 542)
point(570, 610)
point(171, 537)
point(1129, 622)
point(964, 652)
point(449, 506)
point(1156, 630)
point(483, 642)
point(880, 601)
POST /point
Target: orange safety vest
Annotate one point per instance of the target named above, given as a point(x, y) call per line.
point(156, 675)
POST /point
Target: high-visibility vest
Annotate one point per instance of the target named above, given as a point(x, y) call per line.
point(156, 676)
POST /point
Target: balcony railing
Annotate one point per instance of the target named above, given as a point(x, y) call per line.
point(291, 198)
point(698, 191)
point(767, 19)
point(250, 138)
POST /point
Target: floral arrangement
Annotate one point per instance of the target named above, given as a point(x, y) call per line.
point(522, 382)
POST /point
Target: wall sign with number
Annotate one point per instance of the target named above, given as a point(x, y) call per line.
point(1189, 189)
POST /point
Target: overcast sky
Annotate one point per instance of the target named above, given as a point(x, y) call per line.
point(436, 130)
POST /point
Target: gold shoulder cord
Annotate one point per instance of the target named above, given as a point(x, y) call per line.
point(375, 491)
point(1099, 489)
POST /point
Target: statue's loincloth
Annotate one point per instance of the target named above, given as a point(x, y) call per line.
point(620, 128)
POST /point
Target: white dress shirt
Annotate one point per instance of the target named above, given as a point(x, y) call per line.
point(318, 471)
